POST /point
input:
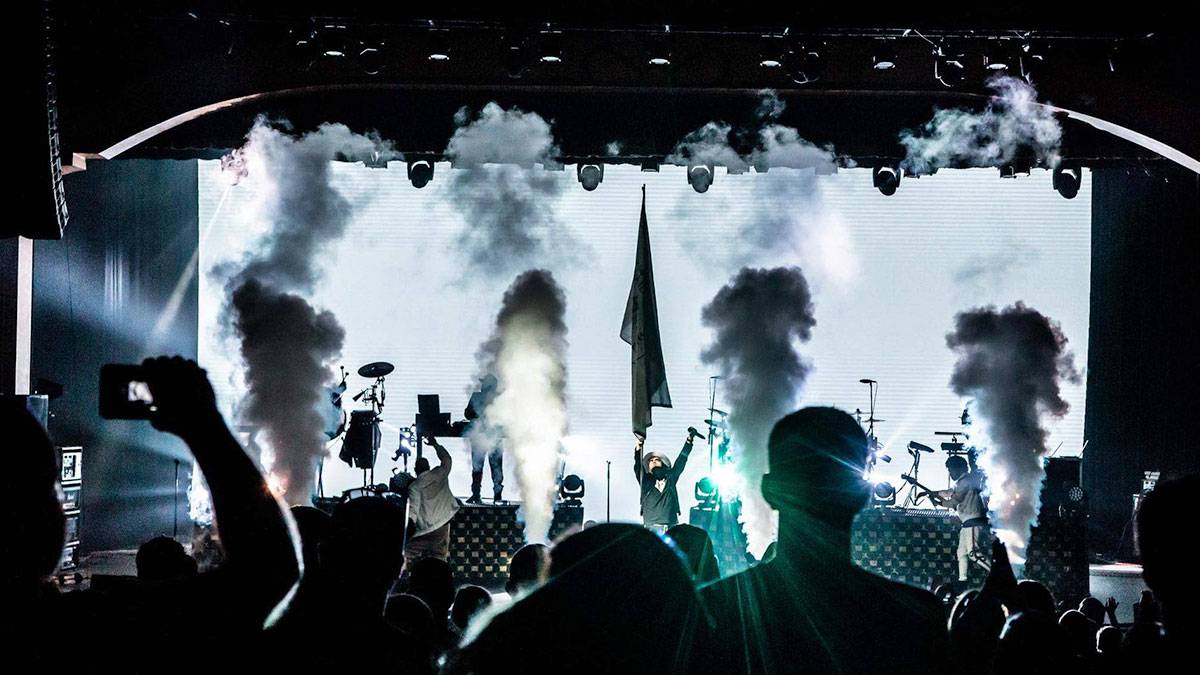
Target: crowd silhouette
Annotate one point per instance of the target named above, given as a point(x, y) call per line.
point(302, 591)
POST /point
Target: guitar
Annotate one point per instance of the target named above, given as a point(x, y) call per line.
point(925, 491)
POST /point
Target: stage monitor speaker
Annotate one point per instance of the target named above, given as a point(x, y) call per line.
point(37, 157)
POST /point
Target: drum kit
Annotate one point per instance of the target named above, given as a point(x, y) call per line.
point(360, 432)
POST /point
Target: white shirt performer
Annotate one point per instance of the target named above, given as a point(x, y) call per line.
point(966, 499)
point(431, 507)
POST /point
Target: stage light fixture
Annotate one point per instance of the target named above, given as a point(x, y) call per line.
point(420, 172)
point(998, 57)
point(550, 47)
point(772, 52)
point(707, 493)
point(571, 490)
point(659, 50)
point(803, 64)
point(439, 46)
point(590, 175)
point(370, 60)
point(883, 494)
point(516, 58)
point(1015, 168)
point(949, 65)
point(883, 56)
point(886, 179)
point(700, 177)
point(1066, 180)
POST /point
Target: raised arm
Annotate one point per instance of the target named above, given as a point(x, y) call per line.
point(256, 533)
point(637, 456)
point(443, 455)
point(681, 460)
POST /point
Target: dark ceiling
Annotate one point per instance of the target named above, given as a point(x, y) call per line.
point(125, 66)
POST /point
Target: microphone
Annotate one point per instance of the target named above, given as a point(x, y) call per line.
point(913, 445)
point(867, 380)
point(692, 432)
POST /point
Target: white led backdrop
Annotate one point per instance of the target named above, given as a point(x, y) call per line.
point(888, 275)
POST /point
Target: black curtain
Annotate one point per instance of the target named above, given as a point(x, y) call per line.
point(1143, 364)
point(120, 286)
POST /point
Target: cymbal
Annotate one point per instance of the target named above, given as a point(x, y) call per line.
point(376, 369)
point(722, 413)
point(716, 424)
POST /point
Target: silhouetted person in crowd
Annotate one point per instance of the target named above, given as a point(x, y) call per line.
point(1167, 561)
point(410, 615)
point(163, 559)
point(697, 549)
point(360, 557)
point(1093, 609)
point(144, 625)
point(617, 600)
point(468, 601)
point(658, 480)
point(1079, 637)
point(431, 506)
point(432, 581)
point(1033, 596)
point(811, 609)
point(1030, 642)
point(526, 568)
point(312, 524)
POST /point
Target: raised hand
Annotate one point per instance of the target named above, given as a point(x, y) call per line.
point(184, 402)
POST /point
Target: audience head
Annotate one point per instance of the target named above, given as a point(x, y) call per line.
point(527, 567)
point(163, 559)
point(1108, 641)
point(957, 467)
point(33, 530)
point(697, 549)
point(363, 546)
point(1033, 596)
point(421, 465)
point(410, 615)
point(1030, 643)
point(617, 599)
point(817, 457)
point(1093, 609)
point(431, 580)
point(312, 524)
point(468, 601)
point(1079, 631)
point(1165, 555)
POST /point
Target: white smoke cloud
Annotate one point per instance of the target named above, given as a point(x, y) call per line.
point(785, 220)
point(527, 353)
point(287, 345)
point(507, 201)
point(758, 319)
point(1011, 362)
point(1011, 125)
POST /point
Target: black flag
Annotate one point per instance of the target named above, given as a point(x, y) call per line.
point(640, 330)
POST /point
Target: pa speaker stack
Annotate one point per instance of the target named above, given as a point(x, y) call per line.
point(37, 160)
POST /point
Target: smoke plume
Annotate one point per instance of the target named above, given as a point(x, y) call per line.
point(506, 201)
point(1012, 125)
point(758, 319)
point(1011, 363)
point(287, 345)
point(785, 218)
point(527, 353)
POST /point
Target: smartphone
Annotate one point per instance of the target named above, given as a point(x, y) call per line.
point(124, 393)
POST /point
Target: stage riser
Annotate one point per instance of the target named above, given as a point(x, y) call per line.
point(483, 538)
point(919, 548)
